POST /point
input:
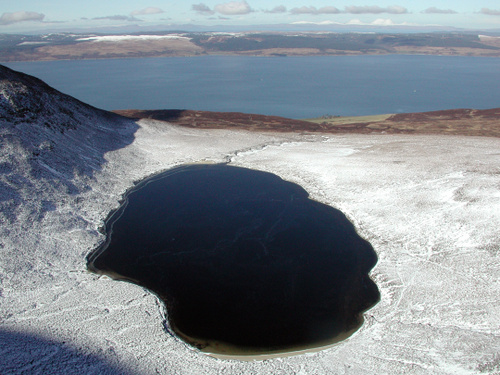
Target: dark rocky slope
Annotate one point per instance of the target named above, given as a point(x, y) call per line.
point(49, 141)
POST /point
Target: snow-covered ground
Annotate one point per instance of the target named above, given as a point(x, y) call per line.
point(430, 206)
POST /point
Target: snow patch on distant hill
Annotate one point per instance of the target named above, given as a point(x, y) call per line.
point(121, 38)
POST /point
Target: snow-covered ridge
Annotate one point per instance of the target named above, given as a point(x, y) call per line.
point(32, 43)
point(53, 129)
point(121, 38)
point(48, 141)
point(24, 98)
point(482, 37)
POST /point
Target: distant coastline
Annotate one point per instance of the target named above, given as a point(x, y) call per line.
point(271, 44)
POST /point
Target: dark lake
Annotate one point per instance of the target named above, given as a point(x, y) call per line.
point(245, 262)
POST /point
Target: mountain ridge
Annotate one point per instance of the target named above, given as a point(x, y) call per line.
point(68, 46)
point(50, 141)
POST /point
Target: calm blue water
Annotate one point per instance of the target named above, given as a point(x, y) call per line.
point(296, 87)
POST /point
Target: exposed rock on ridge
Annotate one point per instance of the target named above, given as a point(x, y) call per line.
point(40, 120)
point(24, 98)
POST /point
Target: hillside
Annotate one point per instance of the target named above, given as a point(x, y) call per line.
point(68, 46)
point(428, 204)
point(50, 143)
point(469, 122)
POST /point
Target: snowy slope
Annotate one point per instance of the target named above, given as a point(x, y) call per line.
point(430, 205)
point(50, 143)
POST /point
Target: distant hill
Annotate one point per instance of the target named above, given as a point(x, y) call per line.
point(155, 44)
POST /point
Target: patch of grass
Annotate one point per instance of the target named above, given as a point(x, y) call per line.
point(348, 119)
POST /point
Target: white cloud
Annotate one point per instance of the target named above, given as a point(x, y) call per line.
point(383, 22)
point(314, 10)
point(355, 21)
point(147, 11)
point(434, 10)
point(233, 8)
point(202, 9)
point(10, 18)
point(375, 9)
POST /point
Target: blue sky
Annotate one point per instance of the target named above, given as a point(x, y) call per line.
point(28, 15)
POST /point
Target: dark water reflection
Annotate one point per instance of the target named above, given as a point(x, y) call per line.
point(245, 262)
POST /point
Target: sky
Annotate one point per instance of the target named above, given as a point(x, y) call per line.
point(30, 15)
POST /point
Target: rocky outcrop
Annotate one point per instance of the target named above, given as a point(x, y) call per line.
point(26, 99)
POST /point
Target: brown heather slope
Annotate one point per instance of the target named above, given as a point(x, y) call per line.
point(223, 120)
point(117, 49)
point(470, 122)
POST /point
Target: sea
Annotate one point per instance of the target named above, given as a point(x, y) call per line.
point(295, 87)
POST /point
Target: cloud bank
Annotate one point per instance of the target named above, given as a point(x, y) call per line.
point(490, 12)
point(202, 9)
point(242, 7)
point(147, 11)
point(314, 10)
point(357, 22)
point(277, 9)
point(233, 8)
point(118, 17)
point(434, 10)
point(22, 16)
point(375, 9)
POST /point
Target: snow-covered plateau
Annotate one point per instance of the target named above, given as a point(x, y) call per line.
point(429, 205)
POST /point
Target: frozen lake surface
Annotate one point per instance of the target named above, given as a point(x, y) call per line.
point(245, 262)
